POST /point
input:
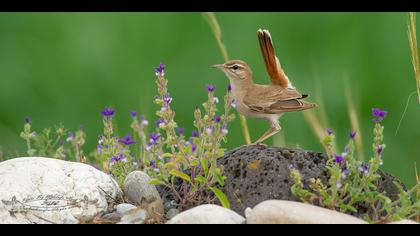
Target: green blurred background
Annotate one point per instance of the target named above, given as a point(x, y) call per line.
point(66, 67)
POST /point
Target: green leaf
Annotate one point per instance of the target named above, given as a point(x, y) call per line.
point(180, 175)
point(348, 208)
point(200, 179)
point(167, 155)
point(156, 182)
point(194, 163)
point(205, 165)
point(169, 165)
point(193, 190)
point(221, 196)
point(220, 152)
point(180, 158)
point(220, 179)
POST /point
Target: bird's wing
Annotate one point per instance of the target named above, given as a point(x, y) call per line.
point(272, 63)
point(275, 99)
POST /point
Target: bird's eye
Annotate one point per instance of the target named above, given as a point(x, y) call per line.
point(235, 67)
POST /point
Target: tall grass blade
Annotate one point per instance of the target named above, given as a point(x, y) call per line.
point(215, 27)
point(354, 121)
point(412, 38)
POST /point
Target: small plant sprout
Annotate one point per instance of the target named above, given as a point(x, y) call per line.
point(171, 156)
point(114, 152)
point(352, 183)
point(28, 135)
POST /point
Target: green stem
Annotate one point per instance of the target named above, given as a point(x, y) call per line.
point(28, 146)
point(215, 27)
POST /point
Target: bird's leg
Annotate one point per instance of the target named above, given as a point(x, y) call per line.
point(275, 128)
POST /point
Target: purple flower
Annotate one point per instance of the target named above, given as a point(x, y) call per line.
point(152, 164)
point(364, 169)
point(233, 103)
point(118, 158)
point(99, 149)
point(218, 119)
point(193, 148)
point(70, 137)
point(154, 138)
point(352, 134)
point(224, 129)
point(133, 114)
point(344, 173)
point(160, 70)
point(380, 149)
point(27, 120)
point(127, 140)
point(292, 166)
point(379, 114)
point(181, 131)
point(209, 130)
point(108, 112)
point(339, 159)
point(160, 123)
point(144, 121)
point(329, 131)
point(210, 88)
point(167, 98)
point(229, 88)
point(101, 139)
point(194, 134)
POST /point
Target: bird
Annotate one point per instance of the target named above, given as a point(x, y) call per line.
point(270, 101)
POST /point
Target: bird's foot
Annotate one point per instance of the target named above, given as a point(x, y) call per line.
point(257, 144)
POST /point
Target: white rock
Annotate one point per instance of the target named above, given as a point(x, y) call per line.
point(404, 222)
point(47, 190)
point(134, 216)
point(138, 190)
point(289, 212)
point(124, 207)
point(207, 214)
point(113, 216)
point(172, 213)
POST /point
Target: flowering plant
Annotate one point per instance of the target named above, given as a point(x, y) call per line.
point(171, 155)
point(352, 183)
point(166, 154)
point(57, 142)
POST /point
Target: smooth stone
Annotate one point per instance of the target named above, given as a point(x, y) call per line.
point(46, 190)
point(124, 207)
point(290, 212)
point(138, 190)
point(134, 216)
point(172, 213)
point(115, 217)
point(154, 209)
point(207, 214)
point(404, 222)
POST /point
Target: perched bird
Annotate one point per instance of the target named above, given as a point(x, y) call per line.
point(264, 101)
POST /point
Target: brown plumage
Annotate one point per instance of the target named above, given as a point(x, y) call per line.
point(272, 63)
point(264, 101)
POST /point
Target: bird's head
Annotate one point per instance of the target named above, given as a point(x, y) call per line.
point(236, 70)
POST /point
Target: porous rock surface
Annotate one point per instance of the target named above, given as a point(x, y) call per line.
point(256, 173)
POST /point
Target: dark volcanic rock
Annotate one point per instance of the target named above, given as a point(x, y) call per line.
point(258, 173)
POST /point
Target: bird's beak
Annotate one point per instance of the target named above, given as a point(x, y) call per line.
point(218, 66)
